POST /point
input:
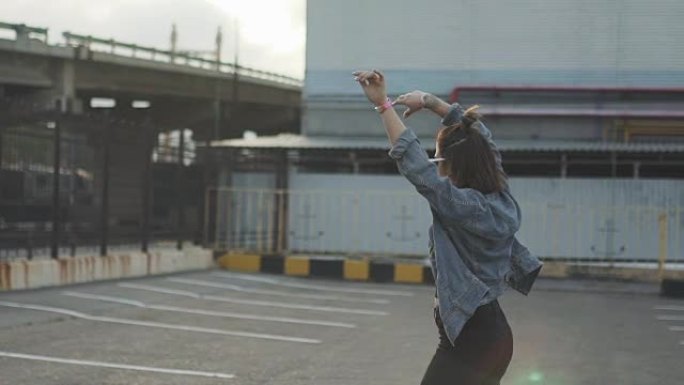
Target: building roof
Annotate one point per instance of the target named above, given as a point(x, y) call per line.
point(294, 142)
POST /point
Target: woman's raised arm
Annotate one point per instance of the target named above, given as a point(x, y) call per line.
point(373, 84)
point(417, 100)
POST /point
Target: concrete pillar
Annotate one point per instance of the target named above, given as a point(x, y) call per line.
point(637, 166)
point(564, 166)
point(354, 161)
point(23, 34)
point(63, 96)
point(66, 88)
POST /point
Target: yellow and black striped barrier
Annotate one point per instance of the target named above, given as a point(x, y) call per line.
point(328, 267)
point(672, 282)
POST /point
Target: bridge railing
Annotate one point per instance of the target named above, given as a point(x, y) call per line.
point(23, 31)
point(179, 58)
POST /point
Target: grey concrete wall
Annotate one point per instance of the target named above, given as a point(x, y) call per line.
point(448, 43)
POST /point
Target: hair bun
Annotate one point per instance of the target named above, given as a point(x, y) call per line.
point(470, 116)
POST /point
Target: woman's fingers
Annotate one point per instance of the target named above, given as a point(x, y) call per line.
point(363, 76)
point(360, 74)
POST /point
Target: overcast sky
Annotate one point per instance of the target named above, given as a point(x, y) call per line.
point(272, 32)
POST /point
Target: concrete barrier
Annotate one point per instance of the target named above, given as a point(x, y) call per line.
point(24, 274)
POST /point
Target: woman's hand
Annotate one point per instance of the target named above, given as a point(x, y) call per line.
point(417, 100)
point(414, 100)
point(373, 84)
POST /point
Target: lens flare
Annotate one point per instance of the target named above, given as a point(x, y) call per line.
point(536, 377)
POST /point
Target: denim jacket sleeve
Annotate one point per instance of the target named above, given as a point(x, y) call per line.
point(525, 268)
point(454, 204)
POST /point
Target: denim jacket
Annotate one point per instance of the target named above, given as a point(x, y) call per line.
point(485, 254)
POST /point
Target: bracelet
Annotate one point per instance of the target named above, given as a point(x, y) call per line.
point(384, 107)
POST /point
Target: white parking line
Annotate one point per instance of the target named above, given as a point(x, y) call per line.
point(159, 325)
point(127, 301)
point(671, 317)
point(314, 287)
point(272, 292)
point(669, 307)
point(250, 302)
point(106, 298)
point(116, 366)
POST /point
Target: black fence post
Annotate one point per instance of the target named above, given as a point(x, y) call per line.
point(57, 138)
point(29, 245)
point(0, 148)
point(147, 186)
point(104, 213)
point(179, 189)
point(283, 186)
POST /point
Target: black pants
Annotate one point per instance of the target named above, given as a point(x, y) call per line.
point(480, 355)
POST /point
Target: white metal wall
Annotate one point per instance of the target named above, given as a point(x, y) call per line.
point(566, 218)
point(383, 214)
point(245, 215)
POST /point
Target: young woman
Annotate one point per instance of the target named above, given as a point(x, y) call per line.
point(472, 246)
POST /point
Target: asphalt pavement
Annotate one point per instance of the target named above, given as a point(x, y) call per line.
point(217, 327)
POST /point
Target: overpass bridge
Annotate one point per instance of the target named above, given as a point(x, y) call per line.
point(216, 99)
point(75, 175)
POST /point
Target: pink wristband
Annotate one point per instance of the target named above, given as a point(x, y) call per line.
point(386, 105)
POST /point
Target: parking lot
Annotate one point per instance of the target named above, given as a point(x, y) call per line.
point(218, 327)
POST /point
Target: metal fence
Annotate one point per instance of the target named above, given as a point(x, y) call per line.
point(74, 186)
point(387, 222)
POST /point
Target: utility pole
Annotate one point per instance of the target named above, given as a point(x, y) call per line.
point(174, 41)
point(236, 69)
point(57, 146)
point(217, 87)
point(219, 43)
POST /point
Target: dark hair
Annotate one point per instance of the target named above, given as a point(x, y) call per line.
point(468, 158)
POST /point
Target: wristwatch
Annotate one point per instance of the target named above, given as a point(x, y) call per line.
point(454, 115)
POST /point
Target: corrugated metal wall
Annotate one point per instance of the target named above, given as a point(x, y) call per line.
point(565, 218)
point(382, 214)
